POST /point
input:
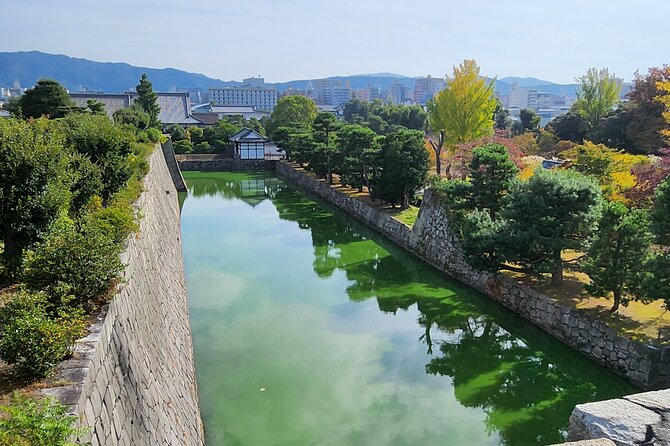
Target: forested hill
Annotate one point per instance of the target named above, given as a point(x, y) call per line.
point(29, 66)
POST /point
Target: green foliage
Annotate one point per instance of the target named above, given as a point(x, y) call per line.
point(569, 127)
point(404, 167)
point(326, 156)
point(177, 132)
point(553, 211)
point(154, 135)
point(661, 212)
point(529, 121)
point(87, 182)
point(76, 261)
point(133, 115)
point(217, 135)
point(95, 107)
point(148, 100)
point(618, 256)
point(657, 282)
point(492, 175)
point(46, 98)
point(637, 125)
point(34, 184)
point(29, 422)
point(33, 337)
point(202, 147)
point(598, 94)
point(196, 135)
point(501, 117)
point(359, 145)
point(183, 146)
point(107, 145)
point(292, 111)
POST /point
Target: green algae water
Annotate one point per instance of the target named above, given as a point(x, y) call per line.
point(310, 329)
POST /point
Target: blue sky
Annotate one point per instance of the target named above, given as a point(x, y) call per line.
point(293, 39)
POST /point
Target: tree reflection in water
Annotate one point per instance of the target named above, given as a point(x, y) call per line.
point(526, 382)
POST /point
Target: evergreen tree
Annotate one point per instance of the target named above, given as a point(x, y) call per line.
point(618, 256)
point(148, 100)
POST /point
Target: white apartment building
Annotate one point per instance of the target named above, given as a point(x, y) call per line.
point(252, 93)
point(522, 97)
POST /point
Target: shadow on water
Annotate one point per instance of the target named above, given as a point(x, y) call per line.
point(525, 381)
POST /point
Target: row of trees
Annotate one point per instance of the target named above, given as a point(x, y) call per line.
point(392, 166)
point(526, 226)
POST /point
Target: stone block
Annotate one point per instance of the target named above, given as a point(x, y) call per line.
point(658, 401)
point(622, 421)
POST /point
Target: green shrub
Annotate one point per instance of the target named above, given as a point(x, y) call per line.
point(183, 146)
point(154, 135)
point(79, 261)
point(117, 220)
point(32, 338)
point(29, 422)
point(202, 147)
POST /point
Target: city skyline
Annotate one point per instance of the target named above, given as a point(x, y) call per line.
point(286, 40)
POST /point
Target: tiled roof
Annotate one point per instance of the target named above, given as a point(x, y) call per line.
point(175, 107)
point(247, 135)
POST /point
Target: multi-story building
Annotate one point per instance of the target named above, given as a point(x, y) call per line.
point(398, 93)
point(252, 93)
point(522, 97)
point(427, 87)
point(329, 92)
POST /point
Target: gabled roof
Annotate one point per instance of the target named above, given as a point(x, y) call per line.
point(175, 107)
point(248, 135)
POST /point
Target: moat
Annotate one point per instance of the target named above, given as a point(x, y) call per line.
point(310, 329)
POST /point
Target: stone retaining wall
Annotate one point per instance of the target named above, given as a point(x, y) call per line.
point(132, 380)
point(225, 164)
point(432, 240)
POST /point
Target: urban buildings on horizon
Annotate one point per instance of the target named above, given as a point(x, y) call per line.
point(257, 98)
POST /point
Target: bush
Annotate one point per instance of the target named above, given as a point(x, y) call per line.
point(117, 220)
point(32, 338)
point(82, 262)
point(202, 147)
point(154, 135)
point(28, 422)
point(183, 146)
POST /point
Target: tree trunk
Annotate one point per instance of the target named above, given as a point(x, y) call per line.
point(404, 203)
point(557, 273)
point(437, 148)
point(617, 300)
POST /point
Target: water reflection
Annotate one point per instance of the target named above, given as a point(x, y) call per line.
point(526, 382)
point(493, 362)
point(252, 188)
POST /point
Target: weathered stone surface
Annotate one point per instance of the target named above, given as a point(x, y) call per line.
point(226, 165)
point(432, 240)
point(621, 421)
point(133, 374)
point(597, 442)
point(658, 400)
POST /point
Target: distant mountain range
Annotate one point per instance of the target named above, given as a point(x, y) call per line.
point(27, 67)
